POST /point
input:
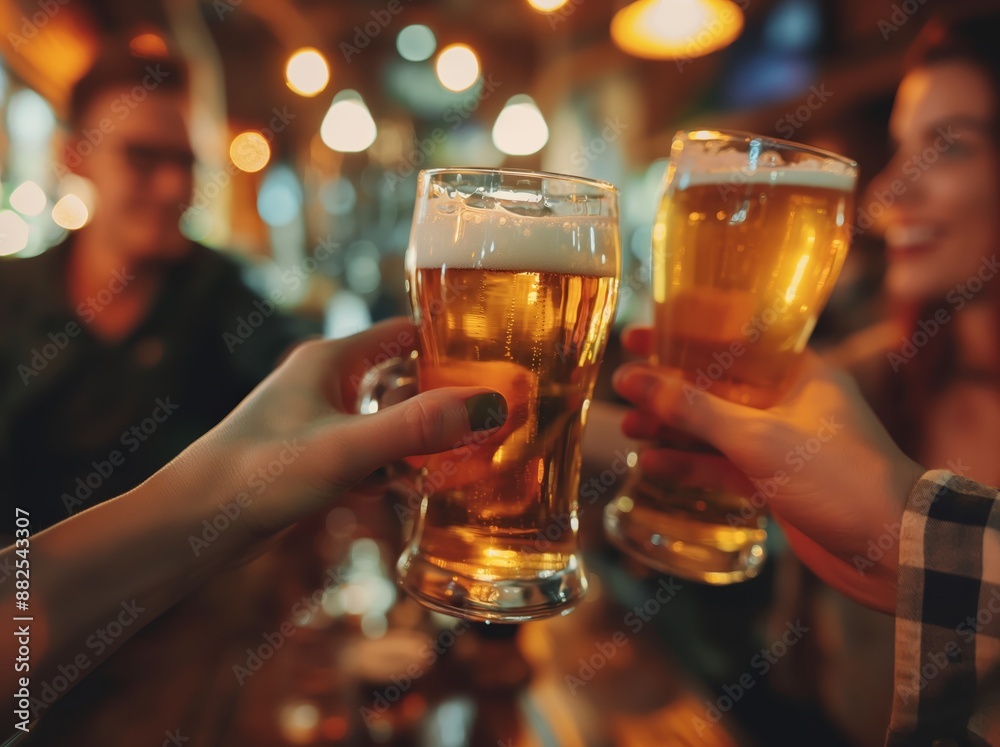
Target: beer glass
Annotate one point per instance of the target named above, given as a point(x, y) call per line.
point(512, 278)
point(749, 238)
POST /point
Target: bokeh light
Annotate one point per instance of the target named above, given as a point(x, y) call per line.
point(279, 201)
point(28, 199)
point(457, 67)
point(416, 43)
point(148, 45)
point(547, 6)
point(676, 29)
point(307, 72)
point(249, 151)
point(13, 233)
point(348, 125)
point(520, 129)
point(299, 722)
point(346, 314)
point(338, 196)
point(70, 212)
point(30, 119)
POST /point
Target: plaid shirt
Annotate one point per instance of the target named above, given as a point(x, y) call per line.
point(947, 663)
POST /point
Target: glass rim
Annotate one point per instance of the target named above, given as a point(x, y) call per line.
point(595, 183)
point(747, 136)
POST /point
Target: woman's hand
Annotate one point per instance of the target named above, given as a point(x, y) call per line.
point(294, 444)
point(834, 478)
point(290, 448)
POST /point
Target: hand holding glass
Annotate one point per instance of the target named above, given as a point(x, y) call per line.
point(749, 238)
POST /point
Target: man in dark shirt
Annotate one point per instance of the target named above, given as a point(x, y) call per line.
point(124, 344)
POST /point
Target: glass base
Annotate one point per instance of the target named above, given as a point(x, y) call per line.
point(508, 600)
point(684, 545)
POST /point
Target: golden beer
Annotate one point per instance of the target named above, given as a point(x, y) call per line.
point(749, 239)
point(738, 283)
point(521, 304)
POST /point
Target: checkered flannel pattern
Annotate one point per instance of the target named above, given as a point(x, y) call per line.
point(947, 663)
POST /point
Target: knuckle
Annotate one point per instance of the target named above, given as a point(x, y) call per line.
point(424, 420)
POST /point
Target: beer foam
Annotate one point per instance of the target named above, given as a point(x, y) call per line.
point(473, 238)
point(731, 167)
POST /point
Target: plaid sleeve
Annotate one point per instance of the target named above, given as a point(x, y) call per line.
point(948, 616)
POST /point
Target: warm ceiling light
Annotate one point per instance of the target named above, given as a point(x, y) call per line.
point(249, 151)
point(13, 233)
point(348, 126)
point(148, 45)
point(547, 6)
point(676, 29)
point(70, 212)
point(306, 72)
point(520, 129)
point(457, 67)
point(28, 199)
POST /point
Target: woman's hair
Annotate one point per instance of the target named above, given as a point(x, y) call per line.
point(969, 34)
point(966, 33)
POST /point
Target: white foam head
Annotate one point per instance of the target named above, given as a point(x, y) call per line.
point(699, 167)
point(464, 237)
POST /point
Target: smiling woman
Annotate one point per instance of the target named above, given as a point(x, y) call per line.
point(932, 371)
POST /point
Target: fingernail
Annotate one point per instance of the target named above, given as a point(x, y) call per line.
point(486, 411)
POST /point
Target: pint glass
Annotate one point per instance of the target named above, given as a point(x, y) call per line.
point(749, 238)
point(513, 279)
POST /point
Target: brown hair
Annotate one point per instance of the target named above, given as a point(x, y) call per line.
point(965, 35)
point(119, 68)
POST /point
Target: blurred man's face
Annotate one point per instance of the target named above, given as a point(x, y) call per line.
point(141, 170)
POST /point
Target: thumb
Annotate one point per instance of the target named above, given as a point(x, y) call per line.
point(427, 423)
point(679, 405)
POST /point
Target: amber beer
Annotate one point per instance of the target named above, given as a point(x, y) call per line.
point(522, 304)
point(750, 236)
point(738, 283)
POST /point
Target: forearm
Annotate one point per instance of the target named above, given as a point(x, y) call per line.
point(102, 575)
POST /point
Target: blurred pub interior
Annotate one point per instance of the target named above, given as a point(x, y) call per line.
point(310, 121)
